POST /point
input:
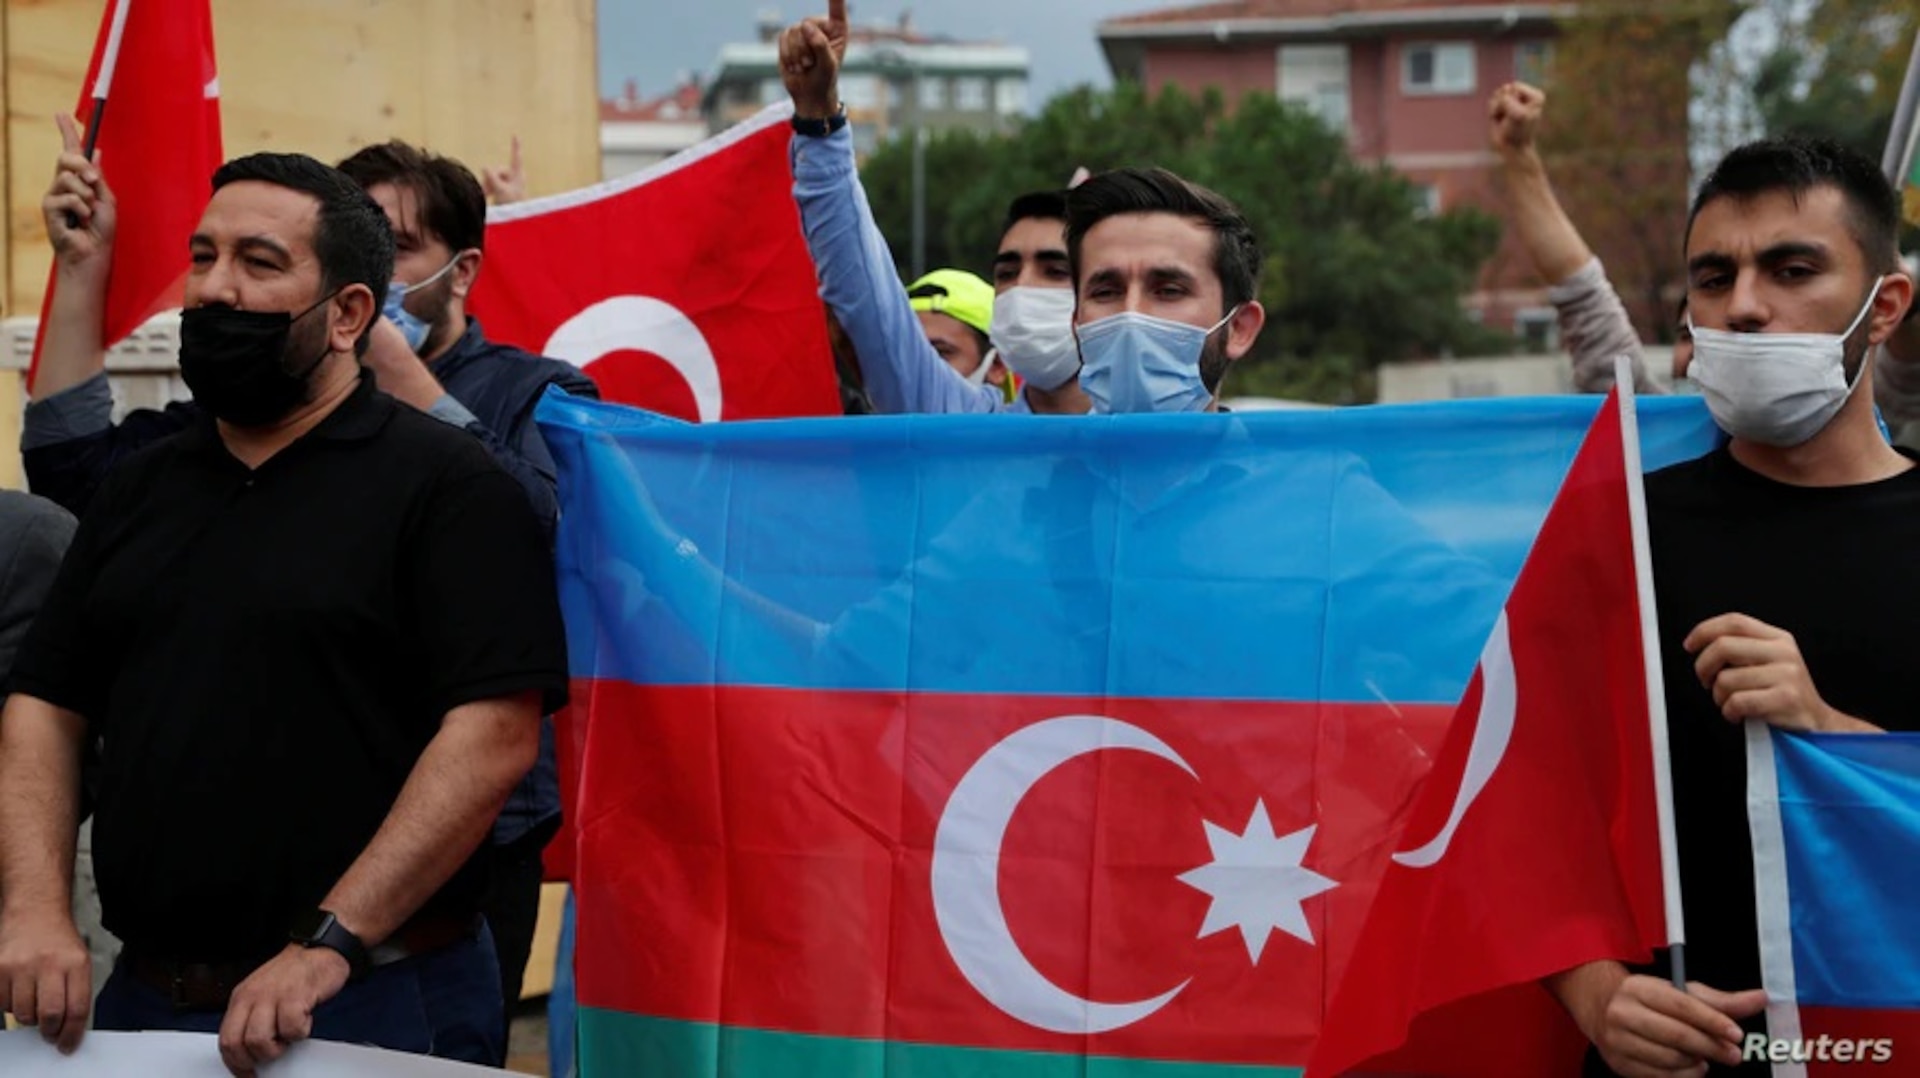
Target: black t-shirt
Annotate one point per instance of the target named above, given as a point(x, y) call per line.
point(1834, 566)
point(262, 656)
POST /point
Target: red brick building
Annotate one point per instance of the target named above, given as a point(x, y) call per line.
point(1407, 80)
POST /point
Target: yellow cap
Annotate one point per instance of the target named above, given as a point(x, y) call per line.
point(957, 293)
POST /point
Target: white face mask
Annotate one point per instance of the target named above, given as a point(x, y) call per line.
point(1777, 389)
point(1033, 332)
point(979, 375)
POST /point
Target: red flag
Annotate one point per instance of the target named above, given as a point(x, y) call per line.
point(1535, 843)
point(686, 288)
point(159, 144)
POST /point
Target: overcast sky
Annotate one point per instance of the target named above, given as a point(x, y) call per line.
point(637, 42)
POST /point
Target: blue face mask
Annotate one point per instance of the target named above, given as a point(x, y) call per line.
point(412, 326)
point(1135, 362)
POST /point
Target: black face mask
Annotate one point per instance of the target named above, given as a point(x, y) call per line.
point(234, 361)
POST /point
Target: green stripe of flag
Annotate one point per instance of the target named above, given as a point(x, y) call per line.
point(617, 1045)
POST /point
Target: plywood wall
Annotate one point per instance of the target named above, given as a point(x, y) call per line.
point(323, 77)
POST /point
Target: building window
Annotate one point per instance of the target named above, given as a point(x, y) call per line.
point(1538, 329)
point(1010, 96)
point(1315, 77)
point(860, 91)
point(772, 91)
point(933, 92)
point(1438, 68)
point(970, 94)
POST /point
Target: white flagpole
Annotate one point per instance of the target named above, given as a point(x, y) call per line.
point(1900, 138)
point(1656, 682)
point(109, 58)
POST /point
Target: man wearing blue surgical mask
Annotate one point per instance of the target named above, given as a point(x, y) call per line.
point(1781, 565)
point(1166, 273)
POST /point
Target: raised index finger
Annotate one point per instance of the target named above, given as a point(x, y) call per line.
point(837, 12)
point(69, 133)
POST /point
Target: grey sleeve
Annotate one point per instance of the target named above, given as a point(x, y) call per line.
point(1594, 329)
point(74, 412)
point(34, 534)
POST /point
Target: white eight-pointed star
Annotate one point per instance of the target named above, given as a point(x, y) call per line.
point(1256, 882)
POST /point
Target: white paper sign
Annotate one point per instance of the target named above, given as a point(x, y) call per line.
point(24, 1054)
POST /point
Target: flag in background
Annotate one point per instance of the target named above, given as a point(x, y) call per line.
point(1536, 846)
point(1898, 160)
point(685, 288)
point(985, 743)
point(153, 92)
point(1835, 820)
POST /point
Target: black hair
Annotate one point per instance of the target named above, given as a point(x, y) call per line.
point(453, 205)
point(1043, 205)
point(1798, 165)
point(352, 239)
point(1236, 251)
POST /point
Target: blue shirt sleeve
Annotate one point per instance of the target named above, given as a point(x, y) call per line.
point(901, 370)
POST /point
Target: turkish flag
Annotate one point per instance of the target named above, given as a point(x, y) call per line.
point(158, 146)
point(686, 288)
point(1534, 844)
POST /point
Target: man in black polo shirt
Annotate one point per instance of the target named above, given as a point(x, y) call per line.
point(307, 718)
point(426, 351)
point(1783, 564)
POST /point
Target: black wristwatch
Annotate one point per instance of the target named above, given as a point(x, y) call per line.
point(822, 128)
point(319, 928)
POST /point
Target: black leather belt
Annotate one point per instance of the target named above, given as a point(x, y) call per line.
point(207, 986)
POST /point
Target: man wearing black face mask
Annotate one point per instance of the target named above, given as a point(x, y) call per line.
point(425, 351)
point(1779, 564)
point(306, 718)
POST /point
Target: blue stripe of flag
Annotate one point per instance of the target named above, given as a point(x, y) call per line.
point(1850, 820)
point(1354, 555)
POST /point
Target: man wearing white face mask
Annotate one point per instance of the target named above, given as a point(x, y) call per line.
point(1781, 562)
point(1166, 273)
point(900, 368)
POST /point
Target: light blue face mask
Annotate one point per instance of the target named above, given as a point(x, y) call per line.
point(1132, 362)
point(411, 326)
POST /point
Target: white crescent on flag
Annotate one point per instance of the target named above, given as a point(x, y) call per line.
point(643, 324)
point(1493, 729)
point(966, 872)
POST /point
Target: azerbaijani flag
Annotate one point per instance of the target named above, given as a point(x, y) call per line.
point(1836, 854)
point(1026, 746)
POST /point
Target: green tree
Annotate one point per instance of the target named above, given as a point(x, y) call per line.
point(1355, 274)
point(1835, 69)
point(1615, 138)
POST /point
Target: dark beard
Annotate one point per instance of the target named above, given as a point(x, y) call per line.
point(305, 351)
point(1214, 361)
point(1856, 350)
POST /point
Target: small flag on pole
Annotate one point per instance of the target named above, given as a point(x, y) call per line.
point(156, 58)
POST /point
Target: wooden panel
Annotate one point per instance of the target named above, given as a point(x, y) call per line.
point(326, 77)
